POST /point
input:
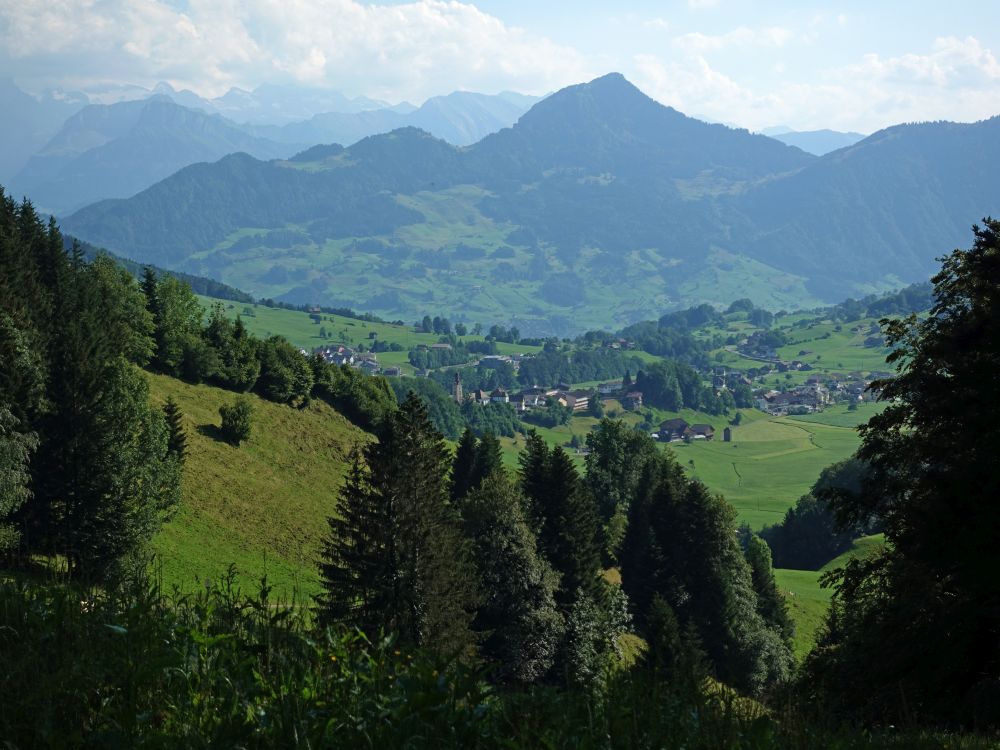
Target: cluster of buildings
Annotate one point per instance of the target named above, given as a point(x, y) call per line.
point(577, 399)
point(678, 430)
point(819, 391)
point(366, 362)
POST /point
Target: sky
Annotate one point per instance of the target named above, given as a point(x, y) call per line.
point(843, 65)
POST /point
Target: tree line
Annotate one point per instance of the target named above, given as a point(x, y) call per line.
point(459, 556)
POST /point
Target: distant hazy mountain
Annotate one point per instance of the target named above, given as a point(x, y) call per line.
point(818, 142)
point(461, 118)
point(882, 208)
point(114, 151)
point(599, 207)
point(277, 105)
point(27, 123)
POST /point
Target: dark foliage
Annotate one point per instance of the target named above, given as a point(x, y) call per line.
point(395, 559)
point(913, 629)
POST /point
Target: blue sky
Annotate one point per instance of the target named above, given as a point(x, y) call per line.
point(845, 65)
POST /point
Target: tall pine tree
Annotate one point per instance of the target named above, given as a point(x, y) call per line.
point(918, 623)
point(177, 436)
point(397, 520)
point(520, 625)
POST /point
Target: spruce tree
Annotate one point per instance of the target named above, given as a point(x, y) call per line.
point(15, 450)
point(464, 466)
point(533, 464)
point(770, 603)
point(681, 546)
point(427, 593)
point(569, 534)
point(518, 619)
point(357, 561)
point(489, 457)
point(177, 436)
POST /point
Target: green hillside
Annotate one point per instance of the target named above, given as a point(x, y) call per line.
point(771, 461)
point(600, 207)
point(262, 506)
point(807, 600)
point(304, 332)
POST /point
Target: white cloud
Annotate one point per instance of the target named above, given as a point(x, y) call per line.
point(953, 62)
point(696, 42)
point(958, 79)
point(660, 24)
point(412, 50)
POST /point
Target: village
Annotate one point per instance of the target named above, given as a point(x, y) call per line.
point(793, 398)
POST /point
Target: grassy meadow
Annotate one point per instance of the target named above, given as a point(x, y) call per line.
point(807, 600)
point(262, 506)
point(772, 461)
point(304, 332)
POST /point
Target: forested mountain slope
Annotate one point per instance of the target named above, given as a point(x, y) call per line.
point(598, 208)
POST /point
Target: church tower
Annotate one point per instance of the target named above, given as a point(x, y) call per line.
point(457, 389)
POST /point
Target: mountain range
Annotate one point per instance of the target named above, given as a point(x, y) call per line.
point(816, 142)
point(597, 208)
point(461, 118)
point(117, 149)
point(28, 123)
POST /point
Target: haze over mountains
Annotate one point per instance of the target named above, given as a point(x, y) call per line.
point(65, 153)
point(599, 207)
point(116, 150)
point(817, 142)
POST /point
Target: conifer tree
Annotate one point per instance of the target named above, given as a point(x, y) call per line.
point(177, 436)
point(518, 619)
point(917, 623)
point(427, 592)
point(15, 450)
point(681, 546)
point(770, 603)
point(569, 534)
point(357, 560)
point(464, 465)
point(533, 464)
point(489, 457)
point(127, 320)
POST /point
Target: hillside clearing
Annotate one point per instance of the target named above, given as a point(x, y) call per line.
point(262, 506)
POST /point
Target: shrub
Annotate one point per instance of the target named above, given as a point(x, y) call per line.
point(237, 420)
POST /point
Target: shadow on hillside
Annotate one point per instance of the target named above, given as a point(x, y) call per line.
point(212, 431)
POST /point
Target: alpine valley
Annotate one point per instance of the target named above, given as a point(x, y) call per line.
point(598, 208)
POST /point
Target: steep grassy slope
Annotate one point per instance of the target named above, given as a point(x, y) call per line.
point(262, 506)
point(807, 601)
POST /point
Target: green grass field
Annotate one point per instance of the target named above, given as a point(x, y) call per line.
point(807, 601)
point(262, 506)
point(302, 331)
point(771, 462)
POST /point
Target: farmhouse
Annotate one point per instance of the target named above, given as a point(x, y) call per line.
point(700, 432)
point(673, 430)
point(632, 400)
